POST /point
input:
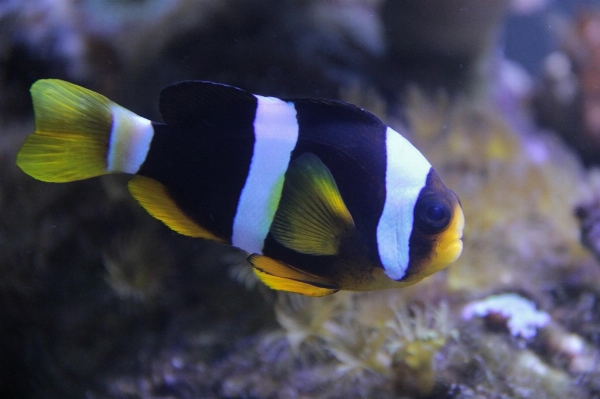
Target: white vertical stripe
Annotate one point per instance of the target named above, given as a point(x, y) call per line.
point(130, 139)
point(275, 135)
point(405, 175)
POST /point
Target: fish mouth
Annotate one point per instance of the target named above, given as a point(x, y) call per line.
point(450, 244)
point(456, 229)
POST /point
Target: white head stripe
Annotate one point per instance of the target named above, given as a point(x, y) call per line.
point(405, 176)
point(130, 139)
point(275, 136)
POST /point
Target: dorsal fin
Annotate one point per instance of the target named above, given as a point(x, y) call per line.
point(336, 111)
point(192, 102)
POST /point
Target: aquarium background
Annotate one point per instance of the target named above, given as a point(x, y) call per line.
point(99, 300)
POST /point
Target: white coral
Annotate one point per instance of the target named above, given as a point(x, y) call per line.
point(521, 316)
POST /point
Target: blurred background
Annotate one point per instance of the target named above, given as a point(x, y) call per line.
point(99, 300)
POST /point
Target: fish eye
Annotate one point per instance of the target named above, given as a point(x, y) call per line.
point(434, 213)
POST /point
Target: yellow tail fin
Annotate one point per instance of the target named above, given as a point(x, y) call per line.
point(72, 132)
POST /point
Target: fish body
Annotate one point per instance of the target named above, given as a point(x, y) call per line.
point(322, 194)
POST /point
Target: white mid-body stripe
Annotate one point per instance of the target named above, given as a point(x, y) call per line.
point(405, 176)
point(130, 139)
point(275, 136)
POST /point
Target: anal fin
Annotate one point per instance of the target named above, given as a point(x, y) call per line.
point(283, 277)
point(153, 196)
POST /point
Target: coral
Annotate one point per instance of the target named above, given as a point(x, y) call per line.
point(524, 7)
point(400, 348)
point(587, 212)
point(530, 375)
point(567, 100)
point(418, 339)
point(137, 264)
point(438, 44)
point(73, 257)
point(519, 314)
point(306, 321)
point(489, 366)
point(358, 349)
point(580, 356)
point(588, 33)
point(518, 191)
point(72, 31)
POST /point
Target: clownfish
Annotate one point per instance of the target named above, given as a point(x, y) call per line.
point(321, 193)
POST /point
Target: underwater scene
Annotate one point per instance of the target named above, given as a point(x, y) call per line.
point(300, 199)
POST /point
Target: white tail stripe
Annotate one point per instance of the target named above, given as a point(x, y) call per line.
point(275, 136)
point(130, 139)
point(405, 176)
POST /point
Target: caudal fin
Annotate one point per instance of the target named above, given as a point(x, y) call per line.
point(81, 134)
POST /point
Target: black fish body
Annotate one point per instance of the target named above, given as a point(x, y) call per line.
point(322, 194)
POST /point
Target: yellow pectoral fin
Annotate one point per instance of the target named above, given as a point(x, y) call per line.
point(153, 196)
point(312, 217)
point(280, 276)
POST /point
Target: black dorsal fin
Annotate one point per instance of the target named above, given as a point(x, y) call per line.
point(189, 103)
point(336, 110)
